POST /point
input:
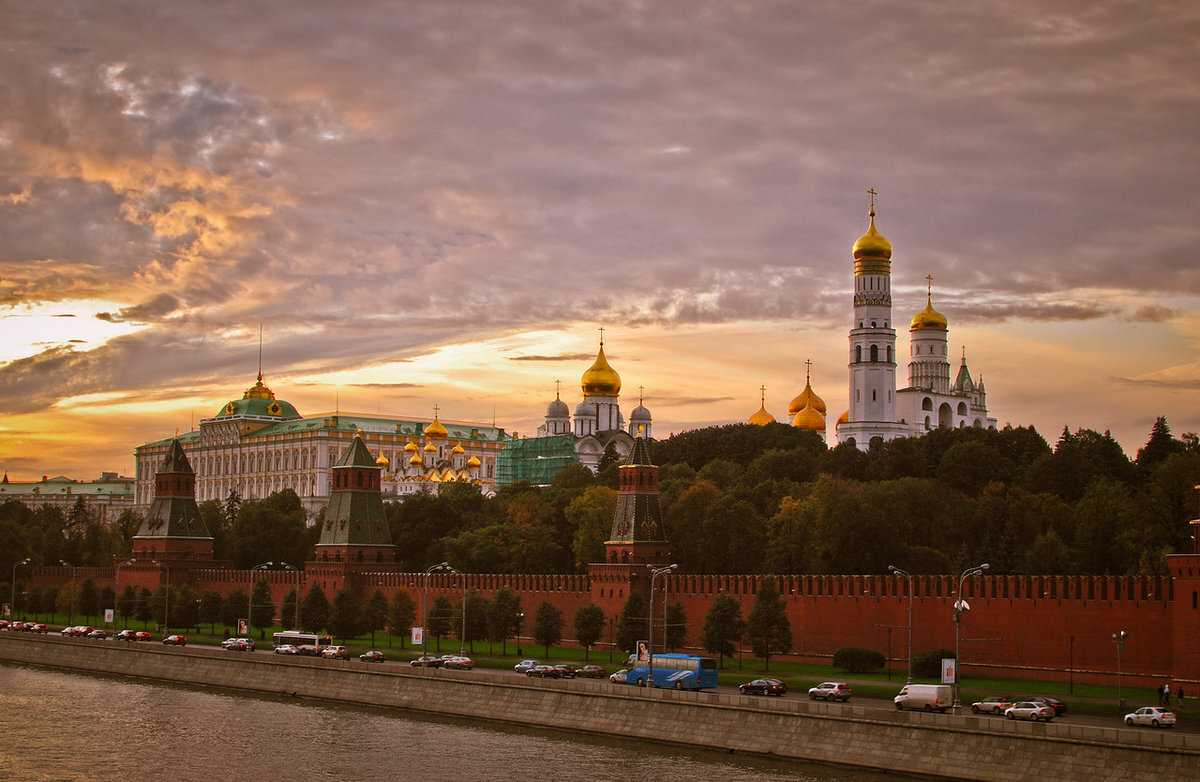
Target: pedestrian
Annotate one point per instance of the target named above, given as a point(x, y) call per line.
point(1179, 695)
point(1160, 694)
point(1167, 694)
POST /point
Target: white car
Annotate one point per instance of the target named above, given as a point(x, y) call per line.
point(1154, 716)
point(1028, 710)
point(619, 676)
point(285, 649)
point(335, 653)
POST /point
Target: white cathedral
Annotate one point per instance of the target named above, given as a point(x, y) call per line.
point(930, 401)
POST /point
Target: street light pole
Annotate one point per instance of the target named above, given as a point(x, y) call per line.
point(655, 572)
point(250, 601)
point(425, 612)
point(117, 585)
point(13, 611)
point(296, 606)
point(908, 576)
point(71, 618)
point(960, 606)
point(1119, 638)
point(166, 599)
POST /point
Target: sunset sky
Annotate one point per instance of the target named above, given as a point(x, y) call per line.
point(439, 203)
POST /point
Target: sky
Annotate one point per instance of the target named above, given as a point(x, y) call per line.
point(441, 203)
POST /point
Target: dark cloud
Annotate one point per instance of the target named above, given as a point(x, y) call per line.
point(163, 305)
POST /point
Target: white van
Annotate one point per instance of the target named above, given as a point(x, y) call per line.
point(925, 696)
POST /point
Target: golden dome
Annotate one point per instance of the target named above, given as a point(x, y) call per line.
point(600, 377)
point(842, 419)
point(382, 461)
point(411, 447)
point(430, 447)
point(416, 459)
point(807, 397)
point(761, 418)
point(473, 461)
point(872, 246)
point(435, 431)
point(259, 391)
point(458, 449)
point(929, 318)
point(809, 418)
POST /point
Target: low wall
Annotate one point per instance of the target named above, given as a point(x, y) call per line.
point(925, 745)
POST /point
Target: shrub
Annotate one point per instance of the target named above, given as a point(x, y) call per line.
point(856, 660)
point(929, 665)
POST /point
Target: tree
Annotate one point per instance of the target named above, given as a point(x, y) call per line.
point(263, 614)
point(591, 514)
point(234, 608)
point(211, 605)
point(470, 622)
point(314, 610)
point(723, 626)
point(185, 607)
point(440, 622)
point(127, 603)
point(160, 605)
point(547, 625)
point(767, 627)
point(589, 627)
point(503, 611)
point(108, 598)
point(89, 599)
point(676, 629)
point(346, 618)
point(1160, 445)
point(374, 614)
point(289, 607)
point(143, 611)
point(632, 623)
point(402, 611)
point(272, 529)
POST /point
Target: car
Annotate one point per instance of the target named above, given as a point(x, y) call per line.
point(308, 650)
point(335, 653)
point(543, 672)
point(763, 687)
point(142, 635)
point(238, 644)
point(993, 704)
point(565, 671)
point(618, 677)
point(458, 662)
point(1029, 710)
point(175, 640)
point(126, 635)
point(1059, 707)
point(372, 657)
point(37, 627)
point(427, 662)
point(285, 649)
point(99, 635)
point(590, 672)
point(1154, 716)
point(525, 665)
point(831, 691)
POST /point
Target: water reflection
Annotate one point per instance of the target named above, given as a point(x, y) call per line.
point(68, 726)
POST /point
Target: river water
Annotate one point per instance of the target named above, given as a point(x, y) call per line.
point(61, 726)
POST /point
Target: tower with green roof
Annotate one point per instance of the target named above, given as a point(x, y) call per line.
point(355, 530)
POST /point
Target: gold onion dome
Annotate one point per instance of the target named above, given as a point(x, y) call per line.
point(416, 459)
point(430, 447)
point(807, 397)
point(259, 391)
point(411, 447)
point(810, 419)
point(762, 417)
point(435, 430)
point(929, 318)
point(600, 378)
point(382, 461)
point(872, 246)
point(844, 418)
point(473, 461)
point(458, 449)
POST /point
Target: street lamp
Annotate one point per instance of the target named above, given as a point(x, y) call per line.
point(462, 638)
point(1119, 639)
point(960, 606)
point(296, 606)
point(520, 626)
point(117, 583)
point(71, 619)
point(425, 612)
point(166, 598)
point(250, 601)
point(655, 572)
point(25, 561)
point(908, 576)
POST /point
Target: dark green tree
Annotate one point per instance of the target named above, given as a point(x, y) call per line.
point(589, 627)
point(676, 630)
point(346, 621)
point(127, 603)
point(633, 622)
point(185, 607)
point(1160, 445)
point(263, 614)
point(234, 608)
point(502, 617)
point(402, 612)
point(160, 605)
point(475, 623)
point(375, 614)
point(723, 626)
point(767, 627)
point(88, 602)
point(108, 599)
point(547, 625)
point(314, 610)
point(289, 608)
point(211, 605)
point(440, 622)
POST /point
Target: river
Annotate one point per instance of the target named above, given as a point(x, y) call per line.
point(61, 726)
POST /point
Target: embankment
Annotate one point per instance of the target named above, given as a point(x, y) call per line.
point(924, 745)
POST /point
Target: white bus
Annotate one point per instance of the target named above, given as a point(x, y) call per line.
point(305, 643)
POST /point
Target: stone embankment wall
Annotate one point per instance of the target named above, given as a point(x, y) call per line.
point(923, 745)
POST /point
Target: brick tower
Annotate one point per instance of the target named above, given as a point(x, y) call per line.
point(173, 529)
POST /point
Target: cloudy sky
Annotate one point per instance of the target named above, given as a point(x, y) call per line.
point(439, 203)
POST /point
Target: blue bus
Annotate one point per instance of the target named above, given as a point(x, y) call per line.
point(680, 671)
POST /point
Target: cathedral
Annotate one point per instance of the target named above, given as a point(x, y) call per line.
point(930, 400)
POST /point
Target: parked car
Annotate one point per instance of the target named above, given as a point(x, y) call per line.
point(1029, 710)
point(544, 672)
point(566, 671)
point(993, 704)
point(37, 627)
point(238, 644)
point(763, 687)
point(831, 691)
point(372, 657)
point(1059, 707)
point(590, 672)
point(175, 640)
point(126, 635)
point(1154, 716)
point(285, 649)
point(525, 665)
point(335, 653)
point(427, 662)
point(99, 635)
point(458, 662)
point(142, 635)
point(618, 677)
point(931, 697)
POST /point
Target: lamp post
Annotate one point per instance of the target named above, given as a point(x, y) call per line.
point(908, 576)
point(117, 583)
point(520, 626)
point(71, 618)
point(960, 606)
point(13, 611)
point(1119, 639)
point(250, 601)
point(425, 612)
point(166, 598)
point(655, 572)
point(296, 607)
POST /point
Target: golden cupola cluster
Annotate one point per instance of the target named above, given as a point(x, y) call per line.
point(807, 409)
point(600, 378)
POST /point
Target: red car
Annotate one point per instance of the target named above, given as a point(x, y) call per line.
point(175, 640)
point(141, 635)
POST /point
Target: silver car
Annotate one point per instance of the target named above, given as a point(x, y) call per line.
point(1028, 710)
point(1154, 716)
